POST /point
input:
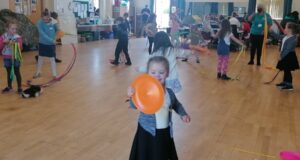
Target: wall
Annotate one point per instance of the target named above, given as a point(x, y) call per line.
point(140, 4)
point(4, 4)
point(67, 20)
point(48, 4)
point(34, 16)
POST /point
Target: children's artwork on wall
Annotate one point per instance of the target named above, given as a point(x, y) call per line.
point(18, 5)
point(33, 6)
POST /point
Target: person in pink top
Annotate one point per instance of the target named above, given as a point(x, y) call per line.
point(6, 41)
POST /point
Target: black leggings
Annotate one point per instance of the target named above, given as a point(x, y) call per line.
point(122, 46)
point(256, 47)
point(18, 77)
point(151, 41)
point(287, 76)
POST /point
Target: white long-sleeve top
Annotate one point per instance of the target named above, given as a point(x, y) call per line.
point(172, 81)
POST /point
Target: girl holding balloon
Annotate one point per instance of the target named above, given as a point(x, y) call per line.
point(154, 137)
point(163, 47)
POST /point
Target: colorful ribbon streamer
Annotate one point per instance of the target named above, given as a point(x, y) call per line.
point(16, 56)
point(264, 48)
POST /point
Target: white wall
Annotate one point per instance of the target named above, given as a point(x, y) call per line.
point(4, 4)
point(49, 4)
point(140, 4)
point(67, 20)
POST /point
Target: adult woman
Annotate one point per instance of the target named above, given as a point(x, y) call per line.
point(257, 32)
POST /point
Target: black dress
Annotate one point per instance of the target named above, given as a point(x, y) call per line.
point(148, 147)
point(289, 62)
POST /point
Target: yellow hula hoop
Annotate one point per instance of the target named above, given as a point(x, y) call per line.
point(238, 57)
point(254, 153)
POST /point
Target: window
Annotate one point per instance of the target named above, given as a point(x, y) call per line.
point(223, 9)
point(162, 10)
point(273, 7)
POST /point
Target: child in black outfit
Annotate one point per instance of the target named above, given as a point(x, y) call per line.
point(288, 60)
point(123, 30)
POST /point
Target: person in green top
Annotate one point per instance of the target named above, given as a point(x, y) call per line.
point(257, 32)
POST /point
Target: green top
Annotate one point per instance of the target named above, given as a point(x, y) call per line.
point(258, 23)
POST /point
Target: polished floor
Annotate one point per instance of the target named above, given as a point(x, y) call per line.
point(85, 117)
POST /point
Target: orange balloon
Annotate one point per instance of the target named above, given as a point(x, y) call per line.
point(60, 34)
point(149, 94)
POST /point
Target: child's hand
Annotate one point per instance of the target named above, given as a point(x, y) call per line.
point(186, 119)
point(6, 41)
point(130, 91)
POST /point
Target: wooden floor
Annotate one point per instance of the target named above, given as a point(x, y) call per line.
point(84, 116)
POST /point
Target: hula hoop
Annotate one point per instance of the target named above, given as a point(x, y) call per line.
point(68, 69)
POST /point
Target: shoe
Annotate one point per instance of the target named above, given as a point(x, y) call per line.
point(114, 63)
point(20, 90)
point(36, 76)
point(184, 60)
point(225, 77)
point(197, 61)
point(6, 90)
point(36, 58)
point(280, 85)
point(128, 63)
point(287, 88)
point(258, 64)
point(250, 63)
point(219, 76)
point(57, 60)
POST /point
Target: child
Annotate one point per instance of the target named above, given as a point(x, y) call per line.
point(196, 44)
point(154, 136)
point(151, 30)
point(224, 35)
point(47, 40)
point(163, 47)
point(123, 30)
point(6, 41)
point(288, 60)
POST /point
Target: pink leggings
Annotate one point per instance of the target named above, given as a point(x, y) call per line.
point(222, 63)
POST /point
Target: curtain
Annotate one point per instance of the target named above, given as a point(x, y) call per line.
point(273, 7)
point(214, 8)
point(151, 6)
point(251, 6)
point(287, 7)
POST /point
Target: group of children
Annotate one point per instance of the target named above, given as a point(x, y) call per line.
point(154, 135)
point(47, 40)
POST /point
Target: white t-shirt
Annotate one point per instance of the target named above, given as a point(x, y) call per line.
point(162, 115)
point(234, 21)
point(227, 38)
